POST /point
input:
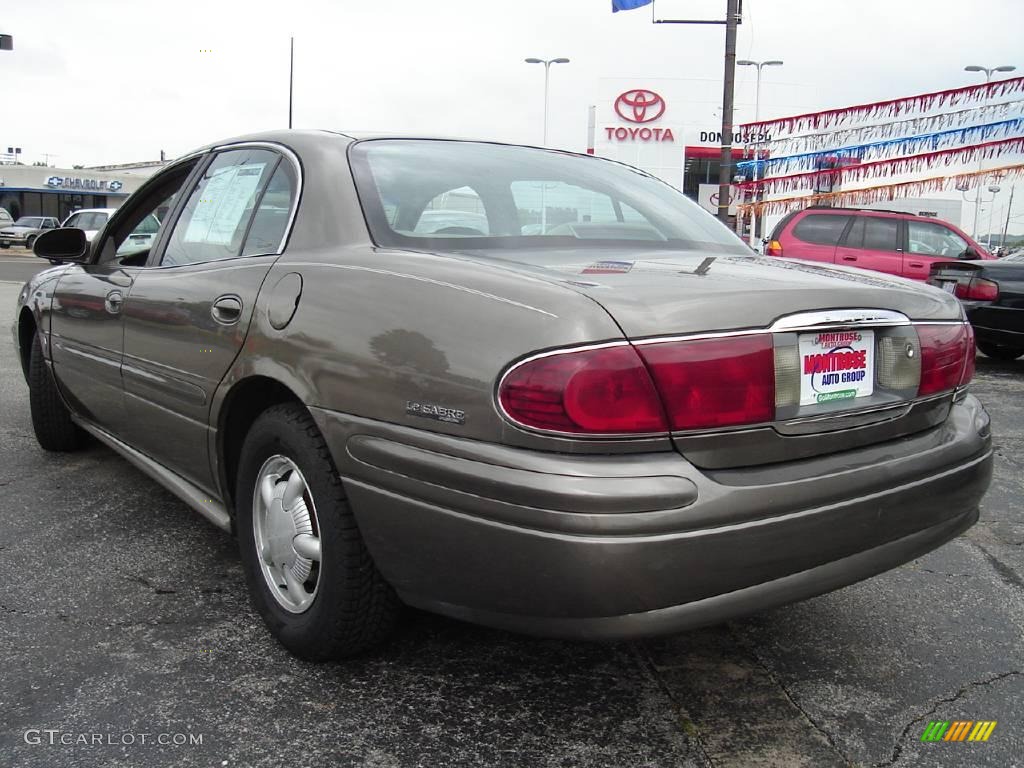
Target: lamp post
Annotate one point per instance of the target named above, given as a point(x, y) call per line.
point(994, 189)
point(757, 116)
point(547, 70)
point(989, 71)
point(6, 43)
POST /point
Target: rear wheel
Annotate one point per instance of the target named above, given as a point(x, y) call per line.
point(51, 420)
point(997, 352)
point(309, 572)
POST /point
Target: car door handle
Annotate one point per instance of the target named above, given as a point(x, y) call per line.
point(849, 258)
point(917, 264)
point(226, 310)
point(113, 302)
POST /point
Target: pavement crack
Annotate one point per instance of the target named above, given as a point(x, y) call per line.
point(753, 650)
point(935, 704)
point(688, 727)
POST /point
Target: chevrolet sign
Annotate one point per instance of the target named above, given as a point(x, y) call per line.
point(70, 182)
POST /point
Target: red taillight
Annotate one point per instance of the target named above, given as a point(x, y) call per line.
point(946, 354)
point(714, 382)
point(774, 248)
point(978, 289)
point(970, 352)
point(595, 391)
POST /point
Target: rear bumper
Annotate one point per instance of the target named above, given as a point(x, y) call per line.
point(997, 325)
point(627, 546)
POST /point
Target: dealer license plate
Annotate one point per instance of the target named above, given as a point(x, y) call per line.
point(949, 287)
point(836, 365)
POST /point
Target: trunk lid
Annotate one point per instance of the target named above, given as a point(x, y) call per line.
point(654, 294)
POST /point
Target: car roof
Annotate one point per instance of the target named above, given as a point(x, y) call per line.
point(89, 210)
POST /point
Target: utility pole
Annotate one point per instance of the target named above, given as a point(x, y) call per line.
point(731, 21)
point(291, 79)
point(1006, 226)
point(725, 164)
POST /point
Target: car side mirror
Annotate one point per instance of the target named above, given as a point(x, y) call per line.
point(60, 245)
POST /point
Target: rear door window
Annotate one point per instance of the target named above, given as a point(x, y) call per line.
point(214, 222)
point(881, 234)
point(821, 228)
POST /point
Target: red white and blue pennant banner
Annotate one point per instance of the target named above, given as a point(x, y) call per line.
point(869, 195)
point(889, 109)
point(885, 148)
point(810, 142)
point(897, 165)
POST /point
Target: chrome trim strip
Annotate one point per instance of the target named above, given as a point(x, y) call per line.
point(212, 509)
point(299, 181)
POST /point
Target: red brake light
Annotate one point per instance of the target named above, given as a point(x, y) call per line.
point(774, 248)
point(714, 382)
point(595, 391)
point(970, 353)
point(978, 289)
point(946, 356)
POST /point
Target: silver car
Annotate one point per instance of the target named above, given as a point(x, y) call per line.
point(25, 230)
point(620, 423)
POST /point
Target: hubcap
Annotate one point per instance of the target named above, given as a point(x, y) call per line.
point(287, 534)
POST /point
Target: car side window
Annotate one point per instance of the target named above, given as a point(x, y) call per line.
point(928, 239)
point(73, 221)
point(271, 219)
point(821, 228)
point(881, 234)
point(214, 221)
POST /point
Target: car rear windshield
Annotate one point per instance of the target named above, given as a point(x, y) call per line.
point(469, 196)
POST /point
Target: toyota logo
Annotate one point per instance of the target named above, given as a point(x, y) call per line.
point(639, 106)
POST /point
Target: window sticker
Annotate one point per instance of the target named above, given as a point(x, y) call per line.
point(224, 200)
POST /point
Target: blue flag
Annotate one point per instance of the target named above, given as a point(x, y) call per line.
point(628, 5)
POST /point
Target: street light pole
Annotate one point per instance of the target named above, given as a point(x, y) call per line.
point(989, 71)
point(291, 79)
point(547, 70)
point(6, 43)
point(994, 189)
point(757, 117)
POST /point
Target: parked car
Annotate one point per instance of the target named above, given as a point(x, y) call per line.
point(589, 436)
point(90, 220)
point(6, 219)
point(884, 241)
point(25, 230)
point(992, 293)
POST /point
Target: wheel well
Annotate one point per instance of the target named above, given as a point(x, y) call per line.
point(245, 402)
point(26, 330)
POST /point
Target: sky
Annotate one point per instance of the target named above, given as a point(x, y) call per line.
point(109, 81)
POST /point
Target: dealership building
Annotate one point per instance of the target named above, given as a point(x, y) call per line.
point(35, 190)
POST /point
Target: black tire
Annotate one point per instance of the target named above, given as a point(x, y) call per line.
point(997, 352)
point(5, 246)
point(353, 609)
point(51, 420)
point(30, 241)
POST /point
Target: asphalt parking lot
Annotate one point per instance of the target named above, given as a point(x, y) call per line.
point(124, 613)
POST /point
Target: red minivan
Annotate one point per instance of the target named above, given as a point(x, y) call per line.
point(885, 241)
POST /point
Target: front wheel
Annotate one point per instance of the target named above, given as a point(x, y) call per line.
point(51, 420)
point(997, 352)
point(30, 241)
point(309, 573)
